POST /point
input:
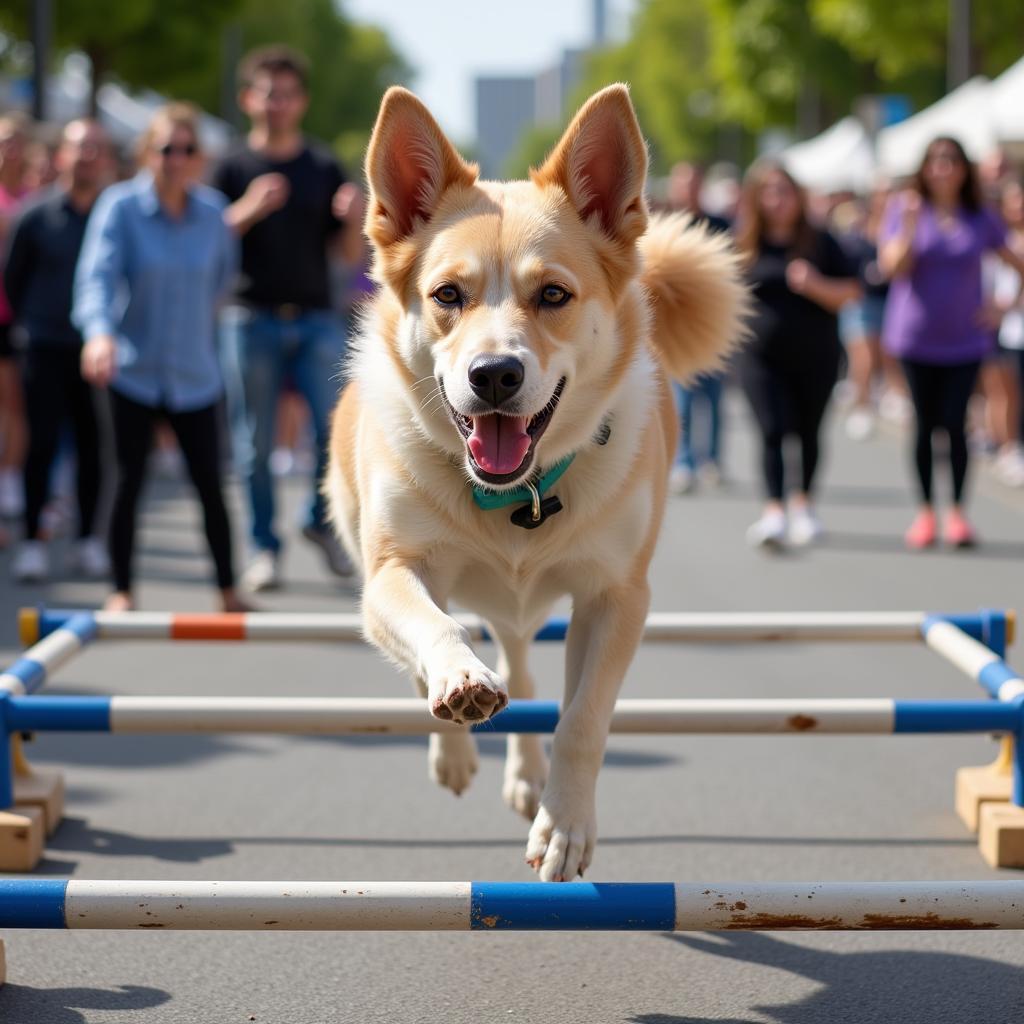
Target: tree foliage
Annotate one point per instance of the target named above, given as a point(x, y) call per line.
point(181, 50)
point(909, 39)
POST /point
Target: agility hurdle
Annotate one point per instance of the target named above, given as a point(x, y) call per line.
point(510, 906)
point(974, 642)
point(993, 627)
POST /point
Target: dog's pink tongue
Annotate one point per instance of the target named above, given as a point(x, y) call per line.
point(499, 443)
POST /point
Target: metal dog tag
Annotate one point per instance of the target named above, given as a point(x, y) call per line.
point(524, 515)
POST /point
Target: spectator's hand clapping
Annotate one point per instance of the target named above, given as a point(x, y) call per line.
point(347, 203)
point(800, 276)
point(911, 210)
point(265, 194)
point(99, 360)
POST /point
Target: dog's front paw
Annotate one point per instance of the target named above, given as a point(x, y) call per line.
point(562, 838)
point(465, 690)
point(526, 771)
point(452, 760)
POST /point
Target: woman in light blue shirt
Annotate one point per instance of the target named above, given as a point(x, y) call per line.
point(155, 261)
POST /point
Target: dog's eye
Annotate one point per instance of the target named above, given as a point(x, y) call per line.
point(554, 295)
point(447, 295)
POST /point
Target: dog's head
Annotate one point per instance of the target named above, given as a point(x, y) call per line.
point(511, 330)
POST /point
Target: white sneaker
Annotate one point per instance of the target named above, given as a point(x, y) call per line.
point(262, 573)
point(12, 494)
point(768, 532)
point(860, 424)
point(895, 407)
point(1009, 466)
point(91, 559)
point(804, 528)
point(31, 563)
point(681, 480)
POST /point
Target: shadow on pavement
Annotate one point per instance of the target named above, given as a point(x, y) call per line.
point(76, 835)
point(126, 750)
point(494, 746)
point(888, 985)
point(21, 1004)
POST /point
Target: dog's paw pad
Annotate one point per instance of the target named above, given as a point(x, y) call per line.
point(467, 694)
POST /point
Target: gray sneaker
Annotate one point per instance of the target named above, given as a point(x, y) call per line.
point(337, 560)
point(262, 573)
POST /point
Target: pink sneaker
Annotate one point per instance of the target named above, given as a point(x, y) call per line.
point(921, 533)
point(958, 533)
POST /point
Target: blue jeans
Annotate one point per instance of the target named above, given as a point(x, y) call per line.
point(708, 388)
point(261, 350)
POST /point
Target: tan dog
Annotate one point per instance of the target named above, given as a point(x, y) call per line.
point(519, 325)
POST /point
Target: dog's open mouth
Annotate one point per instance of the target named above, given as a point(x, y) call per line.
point(501, 446)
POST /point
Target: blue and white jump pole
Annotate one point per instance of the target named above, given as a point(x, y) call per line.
point(500, 906)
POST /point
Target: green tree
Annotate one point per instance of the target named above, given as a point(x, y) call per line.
point(665, 62)
point(908, 40)
point(140, 41)
point(774, 66)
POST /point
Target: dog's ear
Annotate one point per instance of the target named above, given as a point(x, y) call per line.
point(601, 163)
point(409, 165)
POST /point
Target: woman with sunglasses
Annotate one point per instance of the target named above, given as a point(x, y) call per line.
point(155, 261)
point(931, 246)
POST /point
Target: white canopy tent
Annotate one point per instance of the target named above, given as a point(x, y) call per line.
point(965, 114)
point(1007, 96)
point(839, 159)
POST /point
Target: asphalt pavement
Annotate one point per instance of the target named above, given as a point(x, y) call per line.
point(670, 808)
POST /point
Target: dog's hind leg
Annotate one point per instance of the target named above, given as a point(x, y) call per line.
point(526, 767)
point(451, 756)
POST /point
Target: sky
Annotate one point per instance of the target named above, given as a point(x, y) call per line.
point(450, 44)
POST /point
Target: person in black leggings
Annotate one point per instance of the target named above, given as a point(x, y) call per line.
point(198, 433)
point(44, 248)
point(937, 322)
point(799, 277)
point(161, 239)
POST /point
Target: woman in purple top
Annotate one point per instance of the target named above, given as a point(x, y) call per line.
point(936, 322)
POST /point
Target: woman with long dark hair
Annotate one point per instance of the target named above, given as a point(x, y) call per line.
point(800, 278)
point(936, 321)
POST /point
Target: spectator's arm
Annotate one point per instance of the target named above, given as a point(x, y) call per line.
point(1015, 260)
point(265, 194)
point(349, 208)
point(100, 270)
point(896, 253)
point(830, 293)
point(16, 267)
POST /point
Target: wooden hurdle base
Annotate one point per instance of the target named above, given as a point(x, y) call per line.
point(989, 783)
point(1001, 835)
point(33, 788)
point(22, 832)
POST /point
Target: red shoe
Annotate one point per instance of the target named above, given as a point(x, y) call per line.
point(921, 533)
point(958, 533)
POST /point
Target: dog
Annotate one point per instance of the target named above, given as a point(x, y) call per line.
point(508, 427)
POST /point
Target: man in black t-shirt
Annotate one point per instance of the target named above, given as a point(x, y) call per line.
point(291, 205)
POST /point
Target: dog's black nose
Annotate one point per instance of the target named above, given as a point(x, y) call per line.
point(496, 379)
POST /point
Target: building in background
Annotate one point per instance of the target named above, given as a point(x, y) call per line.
point(509, 105)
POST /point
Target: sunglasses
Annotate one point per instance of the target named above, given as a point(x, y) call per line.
point(190, 149)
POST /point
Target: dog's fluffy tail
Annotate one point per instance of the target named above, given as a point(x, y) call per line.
point(698, 299)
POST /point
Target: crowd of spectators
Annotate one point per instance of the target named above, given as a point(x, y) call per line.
point(202, 306)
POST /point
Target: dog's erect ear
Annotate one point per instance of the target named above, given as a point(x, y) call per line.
point(409, 165)
point(601, 163)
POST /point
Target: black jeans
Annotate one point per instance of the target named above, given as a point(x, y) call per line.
point(940, 395)
point(789, 398)
point(55, 395)
point(198, 436)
